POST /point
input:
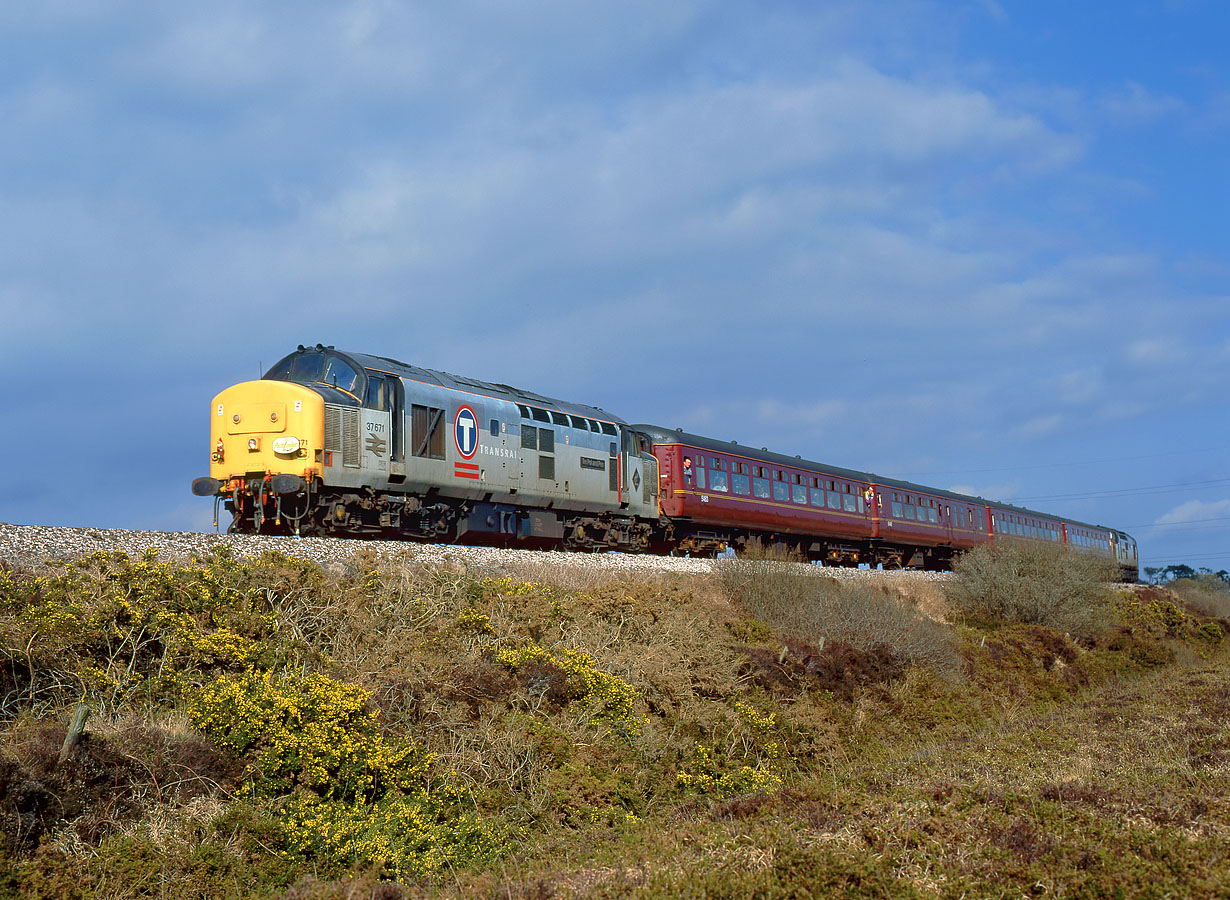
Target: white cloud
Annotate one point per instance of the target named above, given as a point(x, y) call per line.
point(1136, 105)
point(1194, 511)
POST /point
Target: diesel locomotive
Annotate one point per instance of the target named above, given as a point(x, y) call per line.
point(350, 444)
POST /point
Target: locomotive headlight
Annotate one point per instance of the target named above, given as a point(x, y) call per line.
point(286, 445)
point(254, 444)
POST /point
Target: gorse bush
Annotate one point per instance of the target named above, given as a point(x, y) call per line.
point(350, 797)
point(1018, 582)
point(598, 694)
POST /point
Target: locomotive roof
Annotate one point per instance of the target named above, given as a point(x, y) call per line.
point(675, 435)
point(484, 388)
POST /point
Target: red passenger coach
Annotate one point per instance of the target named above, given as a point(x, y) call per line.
point(717, 494)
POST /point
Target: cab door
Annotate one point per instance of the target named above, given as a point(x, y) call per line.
point(377, 426)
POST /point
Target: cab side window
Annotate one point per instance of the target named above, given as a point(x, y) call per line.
point(377, 393)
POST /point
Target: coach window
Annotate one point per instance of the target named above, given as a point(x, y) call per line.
point(798, 494)
point(817, 497)
point(740, 483)
point(932, 515)
point(718, 482)
point(760, 487)
point(781, 493)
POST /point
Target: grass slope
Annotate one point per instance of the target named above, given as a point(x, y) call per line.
point(265, 728)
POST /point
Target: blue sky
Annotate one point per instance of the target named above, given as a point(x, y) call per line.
point(981, 244)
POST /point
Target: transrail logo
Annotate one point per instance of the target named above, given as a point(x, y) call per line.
point(465, 432)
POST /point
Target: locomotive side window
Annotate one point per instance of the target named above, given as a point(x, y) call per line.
point(540, 415)
point(495, 427)
point(525, 411)
point(377, 393)
point(608, 428)
point(427, 431)
point(561, 419)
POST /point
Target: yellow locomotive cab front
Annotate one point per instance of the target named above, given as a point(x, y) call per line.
point(262, 430)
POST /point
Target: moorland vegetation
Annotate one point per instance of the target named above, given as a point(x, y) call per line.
point(270, 728)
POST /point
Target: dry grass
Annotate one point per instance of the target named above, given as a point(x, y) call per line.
point(796, 602)
point(1206, 594)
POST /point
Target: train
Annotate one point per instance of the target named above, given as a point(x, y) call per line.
point(332, 443)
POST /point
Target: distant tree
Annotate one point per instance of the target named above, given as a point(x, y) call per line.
point(1179, 571)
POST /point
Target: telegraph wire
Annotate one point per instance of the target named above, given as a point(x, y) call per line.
point(1088, 462)
point(1125, 492)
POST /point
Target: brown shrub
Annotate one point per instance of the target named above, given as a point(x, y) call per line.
point(1033, 584)
point(837, 668)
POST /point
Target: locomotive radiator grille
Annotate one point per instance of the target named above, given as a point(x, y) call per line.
point(350, 437)
point(333, 429)
point(342, 434)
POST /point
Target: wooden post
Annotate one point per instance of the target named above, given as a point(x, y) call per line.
point(75, 731)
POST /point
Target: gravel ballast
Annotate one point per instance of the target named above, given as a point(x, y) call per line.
point(25, 544)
